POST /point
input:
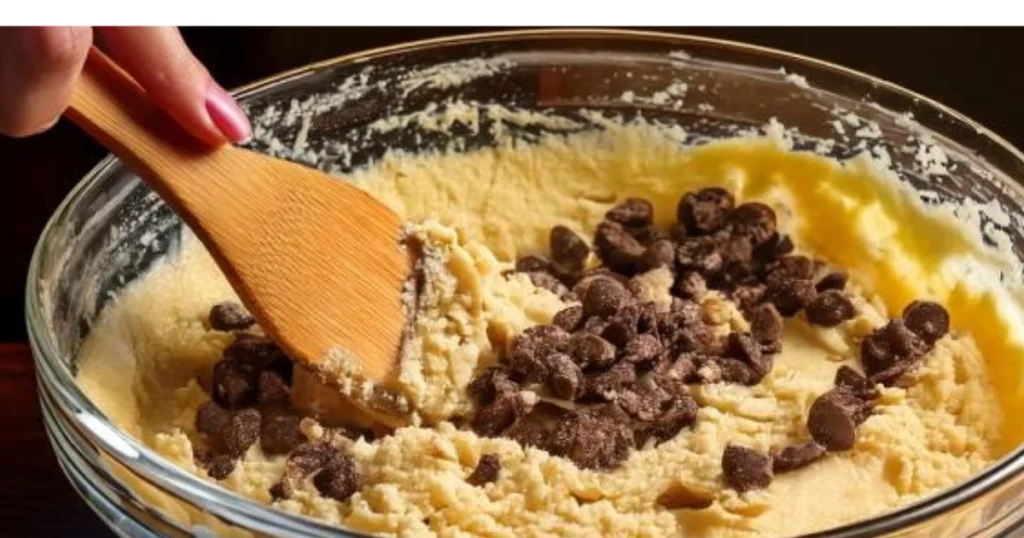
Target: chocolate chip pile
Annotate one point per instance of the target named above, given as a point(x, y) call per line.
point(887, 354)
point(610, 374)
point(251, 402)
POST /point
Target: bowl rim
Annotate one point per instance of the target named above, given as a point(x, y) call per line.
point(144, 461)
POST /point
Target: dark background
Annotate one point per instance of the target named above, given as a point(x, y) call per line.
point(972, 70)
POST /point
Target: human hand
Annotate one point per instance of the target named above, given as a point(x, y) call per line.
point(39, 66)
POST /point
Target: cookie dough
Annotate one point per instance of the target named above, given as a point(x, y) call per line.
point(477, 212)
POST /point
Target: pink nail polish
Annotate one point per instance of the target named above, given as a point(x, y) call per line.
point(227, 115)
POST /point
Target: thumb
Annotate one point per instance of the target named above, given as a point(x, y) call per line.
point(38, 68)
point(160, 61)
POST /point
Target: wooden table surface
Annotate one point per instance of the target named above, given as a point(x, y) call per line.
point(35, 496)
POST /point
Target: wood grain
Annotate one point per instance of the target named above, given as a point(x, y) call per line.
point(36, 498)
point(316, 260)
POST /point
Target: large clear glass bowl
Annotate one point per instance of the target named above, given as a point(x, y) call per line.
point(111, 227)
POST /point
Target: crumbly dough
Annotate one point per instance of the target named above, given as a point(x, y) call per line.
point(477, 212)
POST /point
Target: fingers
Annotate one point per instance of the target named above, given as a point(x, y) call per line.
point(38, 68)
point(159, 60)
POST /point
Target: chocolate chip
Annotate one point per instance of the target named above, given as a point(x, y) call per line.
point(774, 248)
point(534, 429)
point(279, 491)
point(793, 267)
point(637, 286)
point(660, 253)
point(834, 279)
point(745, 469)
point(241, 432)
point(677, 370)
point(594, 438)
point(834, 417)
point(754, 220)
point(642, 349)
point(698, 254)
point(685, 312)
point(230, 316)
point(706, 210)
point(339, 480)
point(309, 457)
point(892, 348)
point(737, 372)
point(569, 318)
point(283, 367)
point(212, 419)
point(568, 249)
point(592, 274)
point(771, 348)
point(258, 351)
point(594, 325)
point(679, 412)
point(568, 276)
point(280, 432)
point(622, 328)
point(271, 387)
point(852, 381)
point(527, 365)
point(529, 350)
point(743, 347)
point(632, 212)
point(765, 323)
point(548, 338)
point(566, 378)
point(790, 296)
point(235, 383)
point(219, 466)
point(927, 319)
point(893, 375)
point(690, 285)
point(797, 456)
point(641, 405)
point(494, 417)
point(487, 470)
point(647, 319)
point(604, 297)
point(645, 235)
point(532, 262)
point(829, 309)
point(698, 338)
point(616, 248)
point(303, 461)
point(708, 371)
point(547, 281)
point(737, 250)
point(491, 382)
point(591, 351)
point(607, 385)
point(748, 297)
point(679, 497)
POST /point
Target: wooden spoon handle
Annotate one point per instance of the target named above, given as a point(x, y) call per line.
point(109, 105)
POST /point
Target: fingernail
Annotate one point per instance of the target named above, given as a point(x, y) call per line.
point(227, 115)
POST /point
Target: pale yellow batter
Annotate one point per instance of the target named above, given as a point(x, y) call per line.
point(478, 212)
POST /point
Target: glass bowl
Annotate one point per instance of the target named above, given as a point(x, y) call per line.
point(111, 228)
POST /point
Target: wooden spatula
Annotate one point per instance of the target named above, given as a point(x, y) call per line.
point(316, 260)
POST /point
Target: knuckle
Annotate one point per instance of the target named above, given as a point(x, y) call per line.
point(61, 49)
